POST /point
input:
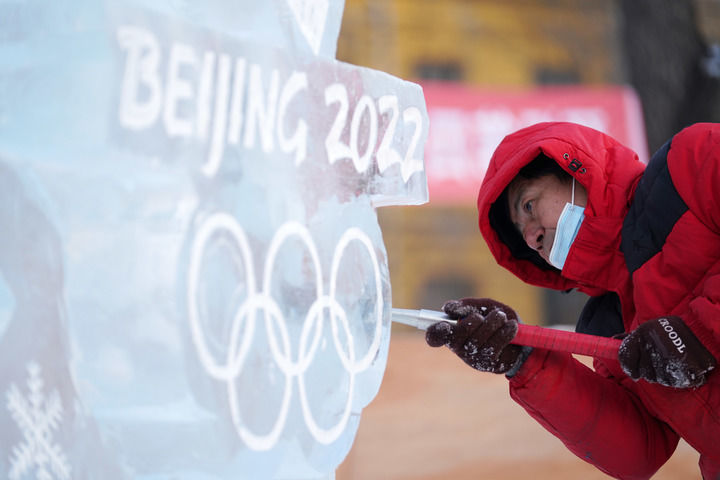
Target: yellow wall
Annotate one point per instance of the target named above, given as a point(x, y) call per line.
point(496, 42)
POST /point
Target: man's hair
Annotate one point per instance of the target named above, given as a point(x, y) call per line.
point(541, 166)
point(500, 219)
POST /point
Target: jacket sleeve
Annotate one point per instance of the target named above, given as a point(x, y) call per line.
point(703, 315)
point(595, 417)
point(694, 164)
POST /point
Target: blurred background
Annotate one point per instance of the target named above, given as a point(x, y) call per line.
point(640, 70)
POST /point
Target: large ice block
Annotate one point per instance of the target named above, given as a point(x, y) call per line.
point(193, 282)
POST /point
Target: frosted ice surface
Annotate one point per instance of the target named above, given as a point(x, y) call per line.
point(193, 282)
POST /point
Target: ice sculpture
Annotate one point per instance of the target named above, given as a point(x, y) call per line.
point(193, 282)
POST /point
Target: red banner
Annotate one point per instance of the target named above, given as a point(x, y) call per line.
point(466, 124)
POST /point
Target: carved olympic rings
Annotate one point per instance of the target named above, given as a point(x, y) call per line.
point(244, 324)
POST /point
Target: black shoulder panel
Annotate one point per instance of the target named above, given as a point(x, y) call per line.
point(601, 316)
point(655, 209)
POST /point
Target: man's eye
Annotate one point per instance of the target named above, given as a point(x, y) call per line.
point(528, 206)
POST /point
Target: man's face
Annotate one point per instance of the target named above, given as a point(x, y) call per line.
point(536, 205)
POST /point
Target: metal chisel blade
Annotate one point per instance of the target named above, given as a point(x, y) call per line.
point(420, 319)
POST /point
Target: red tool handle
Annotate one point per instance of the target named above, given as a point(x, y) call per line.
point(564, 341)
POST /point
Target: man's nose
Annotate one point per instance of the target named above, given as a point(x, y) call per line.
point(534, 236)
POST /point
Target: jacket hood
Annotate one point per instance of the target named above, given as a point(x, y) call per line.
point(608, 170)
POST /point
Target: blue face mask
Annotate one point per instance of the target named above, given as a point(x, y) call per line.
point(568, 225)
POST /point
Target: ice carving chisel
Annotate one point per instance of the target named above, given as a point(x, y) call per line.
point(528, 335)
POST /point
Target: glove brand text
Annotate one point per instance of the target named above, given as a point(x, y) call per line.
point(672, 335)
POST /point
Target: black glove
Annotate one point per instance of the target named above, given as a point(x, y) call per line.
point(482, 335)
point(666, 351)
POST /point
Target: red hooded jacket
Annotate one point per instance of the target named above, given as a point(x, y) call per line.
point(649, 246)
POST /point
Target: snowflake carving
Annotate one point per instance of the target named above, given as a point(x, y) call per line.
point(37, 416)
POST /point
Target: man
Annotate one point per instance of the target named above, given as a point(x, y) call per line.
point(564, 206)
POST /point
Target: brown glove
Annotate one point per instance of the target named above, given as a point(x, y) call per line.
point(482, 335)
point(666, 351)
